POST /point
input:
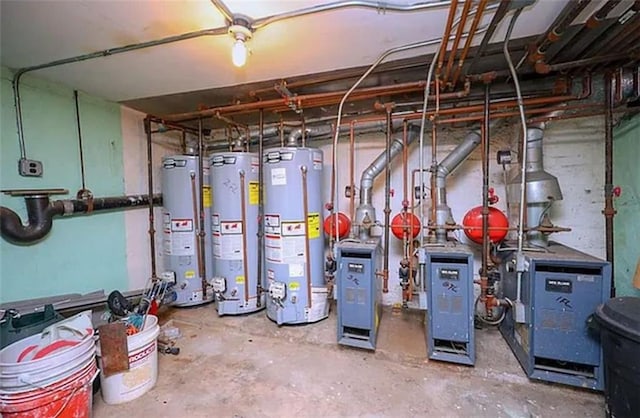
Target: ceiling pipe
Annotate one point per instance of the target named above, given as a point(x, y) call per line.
point(553, 34)
point(378, 6)
point(467, 45)
point(283, 103)
point(458, 38)
point(587, 33)
point(502, 10)
point(40, 213)
point(622, 23)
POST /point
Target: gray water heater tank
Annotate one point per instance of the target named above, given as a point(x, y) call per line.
point(180, 222)
point(234, 229)
point(294, 241)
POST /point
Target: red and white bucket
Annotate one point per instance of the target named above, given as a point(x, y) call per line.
point(50, 374)
point(143, 367)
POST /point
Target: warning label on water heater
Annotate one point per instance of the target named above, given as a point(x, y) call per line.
point(227, 239)
point(179, 237)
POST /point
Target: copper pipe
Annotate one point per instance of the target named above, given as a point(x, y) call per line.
point(245, 253)
point(329, 206)
point(387, 202)
point(538, 49)
point(194, 204)
point(259, 276)
point(445, 38)
point(352, 171)
point(305, 208)
point(333, 97)
point(467, 45)
point(456, 41)
point(202, 268)
point(502, 10)
point(405, 165)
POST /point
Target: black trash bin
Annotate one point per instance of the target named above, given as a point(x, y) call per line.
point(619, 320)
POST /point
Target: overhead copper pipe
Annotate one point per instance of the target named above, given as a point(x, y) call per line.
point(554, 33)
point(456, 41)
point(364, 93)
point(467, 45)
point(502, 10)
point(445, 38)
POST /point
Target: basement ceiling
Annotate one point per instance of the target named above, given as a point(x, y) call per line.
point(36, 32)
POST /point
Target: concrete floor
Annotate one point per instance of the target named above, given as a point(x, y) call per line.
point(247, 366)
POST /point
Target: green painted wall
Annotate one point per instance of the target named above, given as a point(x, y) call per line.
point(626, 174)
point(82, 253)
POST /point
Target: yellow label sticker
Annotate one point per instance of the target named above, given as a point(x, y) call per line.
point(293, 286)
point(189, 274)
point(239, 279)
point(206, 196)
point(254, 192)
point(313, 223)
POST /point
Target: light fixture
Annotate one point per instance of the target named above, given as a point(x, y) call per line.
point(240, 33)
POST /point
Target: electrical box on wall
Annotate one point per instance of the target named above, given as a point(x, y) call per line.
point(450, 330)
point(30, 168)
point(559, 291)
point(358, 294)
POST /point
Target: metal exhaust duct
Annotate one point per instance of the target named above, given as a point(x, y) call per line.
point(366, 213)
point(542, 188)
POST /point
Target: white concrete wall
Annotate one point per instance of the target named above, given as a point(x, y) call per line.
point(135, 169)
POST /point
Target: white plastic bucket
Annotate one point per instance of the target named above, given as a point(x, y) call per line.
point(143, 367)
point(50, 374)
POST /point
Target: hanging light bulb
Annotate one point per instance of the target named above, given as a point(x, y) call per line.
point(241, 34)
point(239, 53)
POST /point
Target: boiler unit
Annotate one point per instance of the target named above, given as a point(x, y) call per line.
point(450, 330)
point(236, 282)
point(180, 222)
point(560, 289)
point(294, 242)
point(359, 295)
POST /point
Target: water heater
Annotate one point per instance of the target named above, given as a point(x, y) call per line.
point(180, 222)
point(234, 230)
point(294, 242)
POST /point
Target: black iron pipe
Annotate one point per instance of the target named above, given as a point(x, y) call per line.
point(152, 229)
point(40, 213)
point(609, 211)
point(485, 181)
point(110, 203)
